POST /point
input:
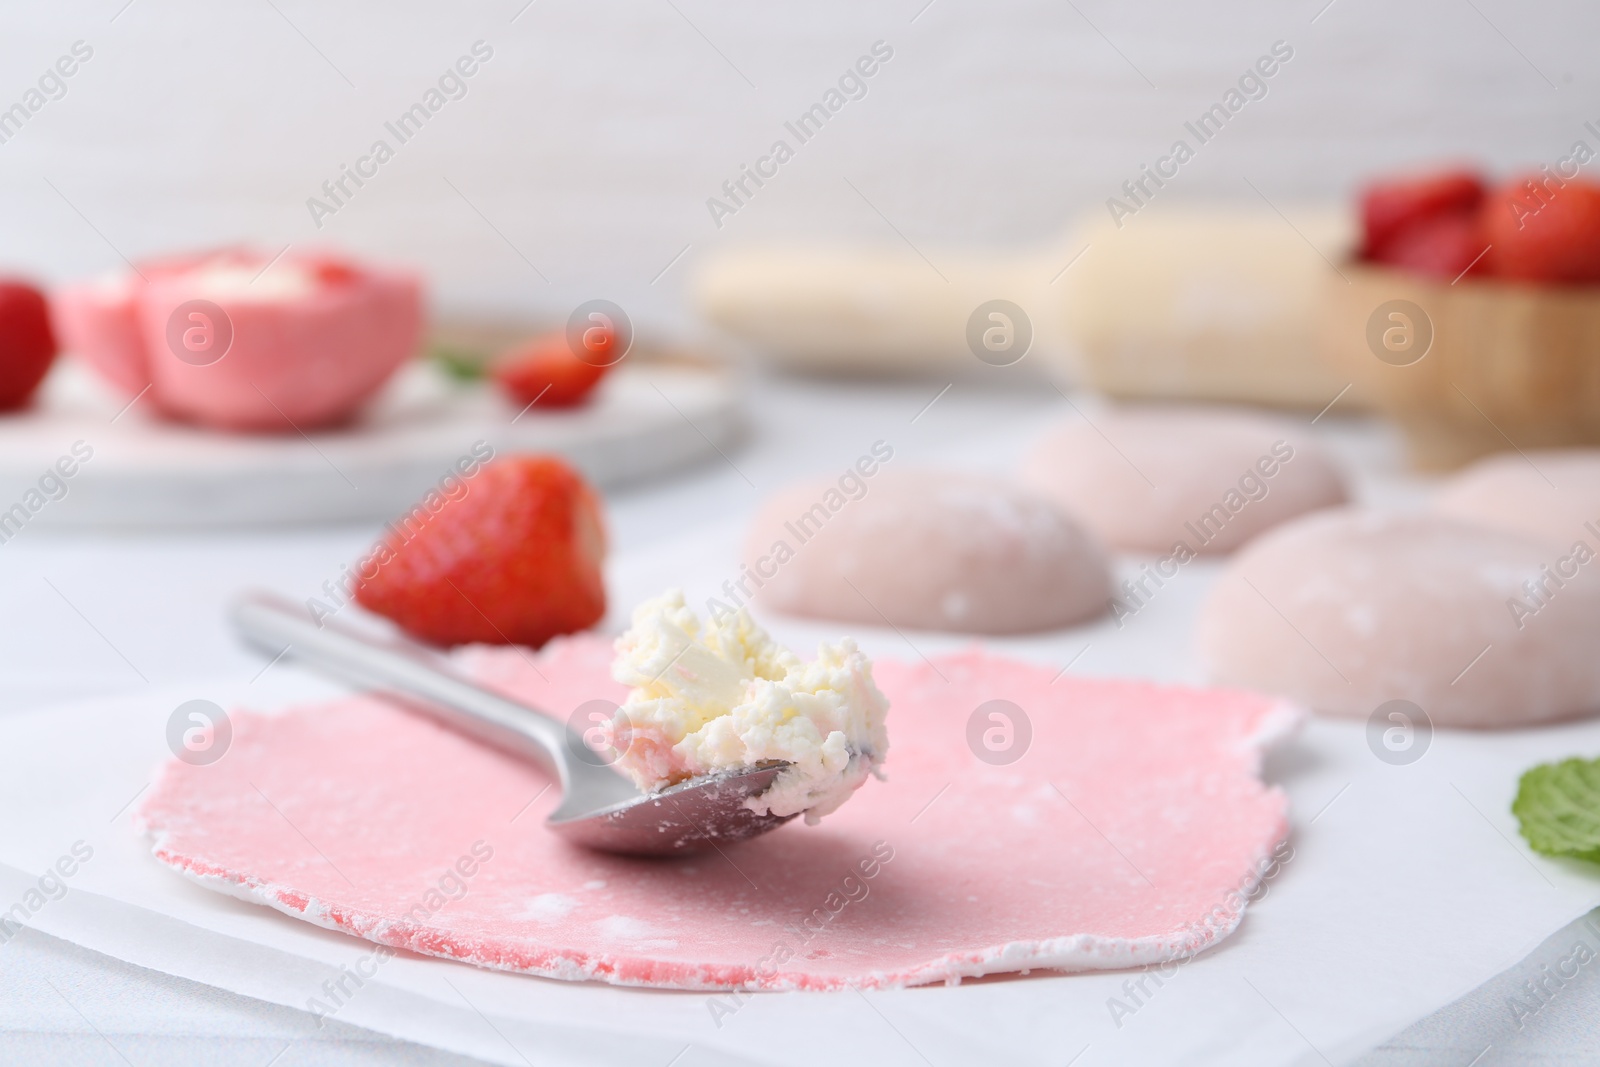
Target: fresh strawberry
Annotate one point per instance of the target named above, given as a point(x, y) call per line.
point(1543, 230)
point(1443, 247)
point(547, 372)
point(515, 559)
point(1389, 207)
point(27, 344)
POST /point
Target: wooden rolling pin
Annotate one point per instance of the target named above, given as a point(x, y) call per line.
point(1218, 304)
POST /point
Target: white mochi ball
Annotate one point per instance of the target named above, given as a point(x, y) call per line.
point(1146, 479)
point(934, 550)
point(1553, 495)
point(1346, 610)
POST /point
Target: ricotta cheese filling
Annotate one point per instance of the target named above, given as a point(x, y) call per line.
point(285, 281)
point(722, 695)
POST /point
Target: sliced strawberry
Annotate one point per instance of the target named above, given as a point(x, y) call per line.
point(1443, 247)
point(514, 559)
point(545, 371)
point(1388, 207)
point(27, 343)
point(1544, 231)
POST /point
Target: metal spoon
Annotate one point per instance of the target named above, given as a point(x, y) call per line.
point(599, 808)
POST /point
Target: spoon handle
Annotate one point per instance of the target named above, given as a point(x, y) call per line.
point(417, 676)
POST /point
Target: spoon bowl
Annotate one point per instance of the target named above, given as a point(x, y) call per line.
point(599, 809)
point(703, 812)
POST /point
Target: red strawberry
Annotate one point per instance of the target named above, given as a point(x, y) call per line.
point(547, 372)
point(27, 344)
point(1389, 207)
point(1443, 247)
point(1543, 230)
point(515, 559)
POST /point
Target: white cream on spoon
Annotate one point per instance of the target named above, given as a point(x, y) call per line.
point(723, 695)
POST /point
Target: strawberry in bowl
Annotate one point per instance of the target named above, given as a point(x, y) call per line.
point(1471, 311)
point(1427, 223)
point(1537, 228)
point(1545, 231)
point(235, 341)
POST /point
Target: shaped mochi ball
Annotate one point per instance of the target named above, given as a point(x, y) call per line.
point(933, 550)
point(1146, 479)
point(1551, 495)
point(1346, 610)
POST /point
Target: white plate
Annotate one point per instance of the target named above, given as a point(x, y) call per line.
point(647, 419)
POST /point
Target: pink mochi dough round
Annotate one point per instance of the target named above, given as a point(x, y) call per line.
point(1552, 495)
point(929, 549)
point(1144, 479)
point(1118, 824)
point(1346, 610)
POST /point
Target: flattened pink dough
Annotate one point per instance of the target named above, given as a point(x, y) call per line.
point(992, 868)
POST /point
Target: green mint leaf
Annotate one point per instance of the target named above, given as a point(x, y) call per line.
point(461, 364)
point(1558, 805)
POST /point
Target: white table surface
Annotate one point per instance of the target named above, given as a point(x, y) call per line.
point(88, 615)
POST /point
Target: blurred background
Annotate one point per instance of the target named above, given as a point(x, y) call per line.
point(580, 152)
point(580, 161)
point(524, 159)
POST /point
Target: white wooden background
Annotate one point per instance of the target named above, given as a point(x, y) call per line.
point(586, 148)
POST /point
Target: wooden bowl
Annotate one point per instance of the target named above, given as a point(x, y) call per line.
point(1468, 368)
